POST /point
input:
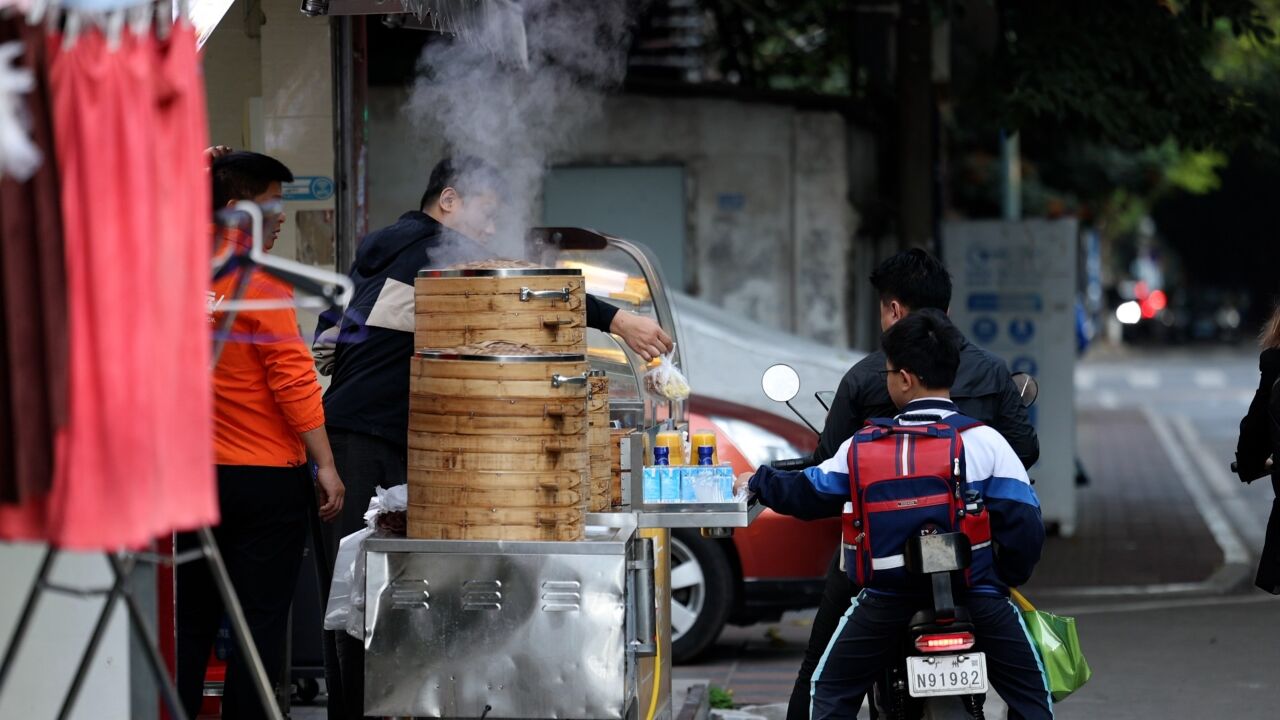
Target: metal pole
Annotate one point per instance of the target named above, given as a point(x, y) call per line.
point(24, 619)
point(350, 81)
point(915, 124)
point(140, 626)
point(99, 630)
point(239, 625)
point(1010, 176)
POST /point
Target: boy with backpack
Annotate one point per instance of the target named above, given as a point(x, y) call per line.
point(921, 469)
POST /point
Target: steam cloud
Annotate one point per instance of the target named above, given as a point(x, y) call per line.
point(483, 103)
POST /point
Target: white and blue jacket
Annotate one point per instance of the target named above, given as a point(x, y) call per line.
point(992, 469)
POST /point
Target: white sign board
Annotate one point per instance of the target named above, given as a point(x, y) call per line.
point(1014, 294)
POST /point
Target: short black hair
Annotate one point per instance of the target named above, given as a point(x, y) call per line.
point(914, 278)
point(244, 175)
point(463, 173)
point(926, 344)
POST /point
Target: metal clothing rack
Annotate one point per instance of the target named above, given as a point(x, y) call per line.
point(333, 288)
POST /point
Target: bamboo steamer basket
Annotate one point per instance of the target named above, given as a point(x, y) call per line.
point(598, 439)
point(497, 446)
point(615, 466)
point(543, 307)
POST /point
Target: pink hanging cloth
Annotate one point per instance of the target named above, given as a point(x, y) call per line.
point(135, 460)
point(189, 490)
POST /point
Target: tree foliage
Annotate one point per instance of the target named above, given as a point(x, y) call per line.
point(783, 44)
point(1127, 73)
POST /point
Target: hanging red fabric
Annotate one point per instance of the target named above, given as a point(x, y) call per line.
point(184, 281)
point(135, 460)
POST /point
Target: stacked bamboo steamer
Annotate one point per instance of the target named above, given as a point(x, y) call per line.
point(598, 439)
point(500, 426)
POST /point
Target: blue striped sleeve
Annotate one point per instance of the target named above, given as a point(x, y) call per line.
point(808, 495)
point(1018, 531)
point(1004, 488)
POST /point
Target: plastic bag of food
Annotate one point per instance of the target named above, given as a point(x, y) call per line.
point(666, 380)
point(384, 518)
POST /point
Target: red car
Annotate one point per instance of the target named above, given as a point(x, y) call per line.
point(778, 564)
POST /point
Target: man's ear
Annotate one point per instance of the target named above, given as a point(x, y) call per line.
point(449, 200)
point(898, 309)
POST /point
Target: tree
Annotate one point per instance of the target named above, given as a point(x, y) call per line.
point(1129, 74)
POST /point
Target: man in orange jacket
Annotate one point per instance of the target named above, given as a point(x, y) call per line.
point(268, 417)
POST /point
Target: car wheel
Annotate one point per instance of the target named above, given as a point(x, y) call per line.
point(701, 593)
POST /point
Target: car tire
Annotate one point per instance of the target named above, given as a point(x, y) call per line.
point(702, 593)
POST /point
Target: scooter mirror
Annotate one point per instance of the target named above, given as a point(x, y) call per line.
point(1028, 388)
point(826, 397)
point(781, 383)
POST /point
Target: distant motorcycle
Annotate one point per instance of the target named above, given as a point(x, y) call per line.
point(937, 675)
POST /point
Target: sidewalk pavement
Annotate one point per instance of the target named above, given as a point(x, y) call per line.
point(1136, 524)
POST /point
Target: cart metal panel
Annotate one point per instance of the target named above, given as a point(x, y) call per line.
point(497, 629)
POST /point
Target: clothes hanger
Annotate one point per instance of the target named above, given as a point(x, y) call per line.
point(323, 288)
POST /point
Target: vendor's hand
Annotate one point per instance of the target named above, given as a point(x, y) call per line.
point(641, 334)
point(215, 152)
point(331, 492)
point(740, 484)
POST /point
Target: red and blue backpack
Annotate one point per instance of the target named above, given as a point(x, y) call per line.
point(904, 480)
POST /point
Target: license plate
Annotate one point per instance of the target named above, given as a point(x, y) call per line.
point(947, 674)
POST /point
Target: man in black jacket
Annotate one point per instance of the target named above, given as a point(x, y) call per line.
point(911, 280)
point(368, 349)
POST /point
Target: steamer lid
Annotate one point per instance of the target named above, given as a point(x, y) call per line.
point(501, 272)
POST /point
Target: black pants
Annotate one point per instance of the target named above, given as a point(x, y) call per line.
point(1268, 577)
point(365, 462)
point(865, 642)
point(836, 596)
point(261, 536)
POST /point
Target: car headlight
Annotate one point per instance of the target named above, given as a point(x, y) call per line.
point(757, 445)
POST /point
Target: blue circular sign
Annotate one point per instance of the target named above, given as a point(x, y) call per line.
point(321, 188)
point(1022, 330)
point(985, 330)
point(1024, 364)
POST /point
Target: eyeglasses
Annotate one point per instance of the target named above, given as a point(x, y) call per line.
point(886, 371)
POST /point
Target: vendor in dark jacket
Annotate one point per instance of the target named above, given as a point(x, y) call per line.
point(910, 280)
point(1259, 445)
point(368, 355)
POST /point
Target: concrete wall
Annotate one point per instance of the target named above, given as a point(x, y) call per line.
point(769, 223)
point(269, 83)
point(268, 79)
point(57, 637)
point(233, 75)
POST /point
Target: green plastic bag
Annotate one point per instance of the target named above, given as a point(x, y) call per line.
point(1058, 643)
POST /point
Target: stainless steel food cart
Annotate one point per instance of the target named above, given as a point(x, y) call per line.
point(528, 629)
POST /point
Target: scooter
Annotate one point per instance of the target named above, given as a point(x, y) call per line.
point(937, 674)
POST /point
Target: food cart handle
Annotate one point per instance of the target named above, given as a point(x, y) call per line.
point(527, 294)
point(641, 566)
point(558, 380)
